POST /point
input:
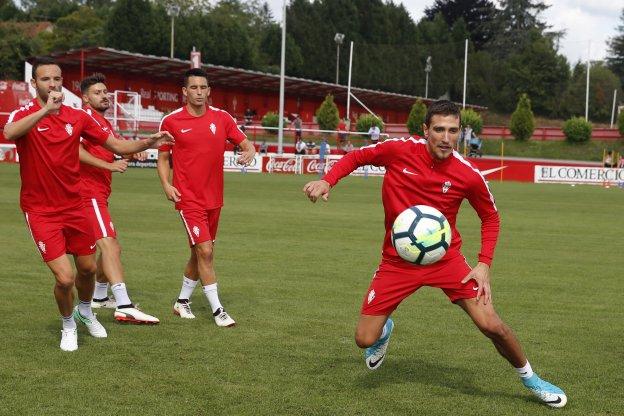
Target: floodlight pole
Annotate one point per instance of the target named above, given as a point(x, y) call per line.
point(280, 131)
point(428, 68)
point(465, 72)
point(338, 38)
point(173, 11)
point(587, 83)
point(613, 108)
point(349, 83)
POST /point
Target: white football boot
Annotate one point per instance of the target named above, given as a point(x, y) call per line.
point(183, 310)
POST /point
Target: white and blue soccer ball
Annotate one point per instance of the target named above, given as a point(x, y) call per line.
point(421, 235)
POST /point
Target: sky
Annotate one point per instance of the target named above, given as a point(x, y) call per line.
point(588, 23)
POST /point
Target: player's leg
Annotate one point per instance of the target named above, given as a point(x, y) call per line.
point(100, 294)
point(506, 343)
point(205, 267)
point(47, 234)
point(85, 283)
point(81, 243)
point(373, 333)
point(63, 294)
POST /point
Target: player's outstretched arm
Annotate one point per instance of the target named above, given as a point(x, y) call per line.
point(481, 275)
point(16, 129)
point(248, 153)
point(316, 189)
point(87, 158)
point(124, 147)
point(164, 171)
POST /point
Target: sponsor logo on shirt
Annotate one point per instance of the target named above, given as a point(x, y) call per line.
point(446, 187)
point(69, 129)
point(407, 172)
point(185, 130)
point(371, 296)
point(213, 128)
point(43, 128)
point(41, 246)
point(196, 231)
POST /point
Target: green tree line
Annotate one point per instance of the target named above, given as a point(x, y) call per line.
point(512, 51)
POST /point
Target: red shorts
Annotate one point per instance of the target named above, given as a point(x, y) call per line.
point(200, 224)
point(100, 219)
point(394, 282)
point(56, 234)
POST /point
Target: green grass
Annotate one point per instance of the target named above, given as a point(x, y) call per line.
point(293, 275)
point(562, 150)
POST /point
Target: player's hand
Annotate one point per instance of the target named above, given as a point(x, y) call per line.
point(172, 193)
point(55, 100)
point(246, 157)
point(481, 275)
point(160, 139)
point(119, 166)
point(141, 156)
point(316, 189)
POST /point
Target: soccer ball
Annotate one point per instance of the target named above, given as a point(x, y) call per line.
point(421, 235)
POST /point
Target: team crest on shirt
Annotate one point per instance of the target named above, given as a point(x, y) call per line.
point(446, 187)
point(69, 129)
point(196, 231)
point(371, 296)
point(213, 128)
point(41, 246)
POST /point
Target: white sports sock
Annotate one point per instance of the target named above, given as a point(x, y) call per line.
point(85, 309)
point(213, 296)
point(68, 322)
point(526, 371)
point(121, 294)
point(188, 286)
point(101, 290)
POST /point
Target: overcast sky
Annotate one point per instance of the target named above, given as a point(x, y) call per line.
point(583, 21)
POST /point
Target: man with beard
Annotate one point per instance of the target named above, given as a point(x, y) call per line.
point(47, 135)
point(96, 168)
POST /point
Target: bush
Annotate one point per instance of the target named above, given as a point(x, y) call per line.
point(327, 114)
point(522, 121)
point(270, 119)
point(469, 116)
point(577, 130)
point(416, 118)
point(621, 123)
point(366, 121)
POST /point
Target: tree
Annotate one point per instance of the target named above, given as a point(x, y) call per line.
point(327, 114)
point(14, 49)
point(416, 118)
point(615, 59)
point(366, 121)
point(78, 29)
point(137, 26)
point(522, 121)
point(477, 14)
point(472, 118)
point(602, 82)
point(577, 130)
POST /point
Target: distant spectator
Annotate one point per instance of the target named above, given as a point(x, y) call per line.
point(342, 133)
point(264, 148)
point(608, 160)
point(249, 115)
point(297, 124)
point(348, 147)
point(373, 134)
point(301, 148)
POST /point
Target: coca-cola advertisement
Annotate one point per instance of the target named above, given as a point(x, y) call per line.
point(8, 153)
point(312, 166)
point(280, 164)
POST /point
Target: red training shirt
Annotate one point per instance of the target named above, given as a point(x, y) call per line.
point(96, 182)
point(49, 163)
point(198, 154)
point(414, 177)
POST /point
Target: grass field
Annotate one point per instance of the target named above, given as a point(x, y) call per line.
point(293, 274)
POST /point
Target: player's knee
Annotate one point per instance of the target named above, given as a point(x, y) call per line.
point(64, 280)
point(494, 329)
point(110, 246)
point(365, 339)
point(204, 251)
point(86, 269)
